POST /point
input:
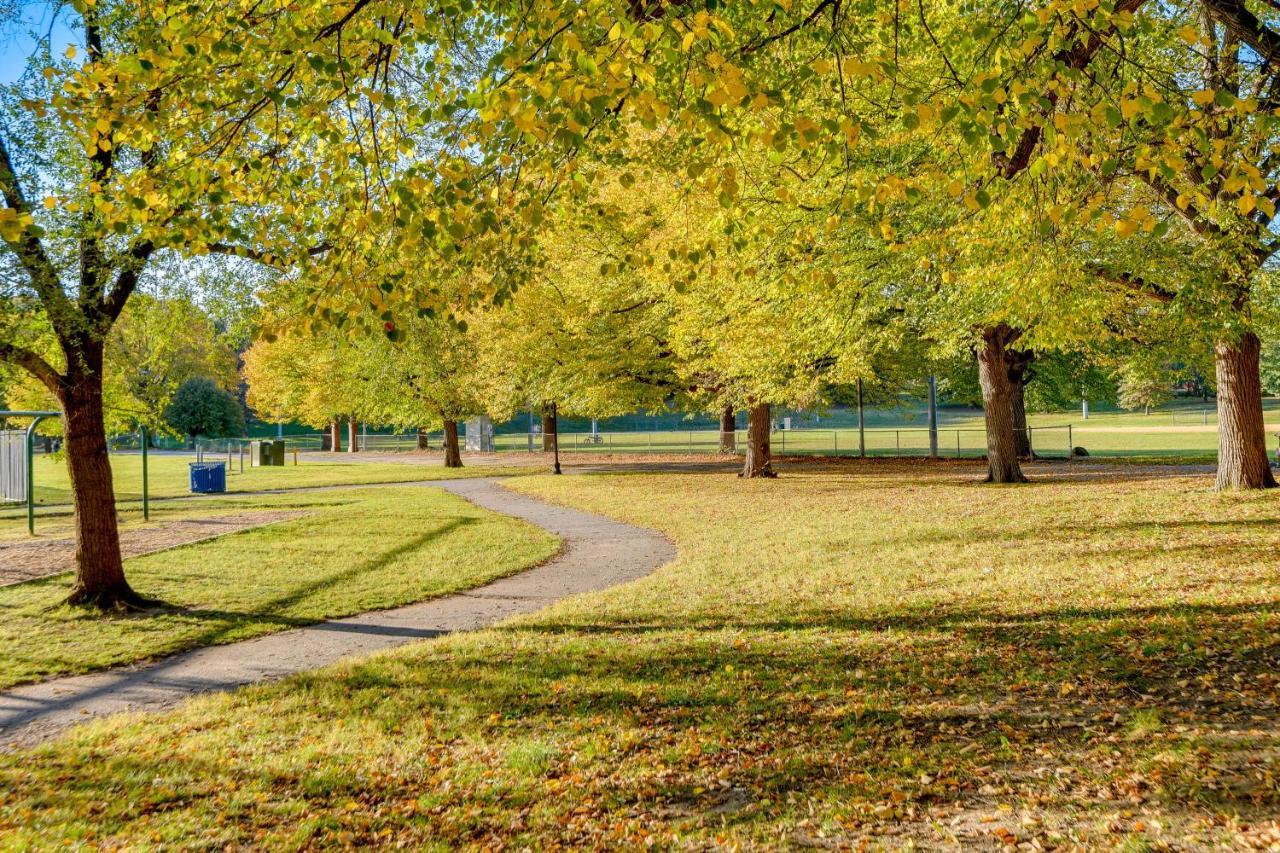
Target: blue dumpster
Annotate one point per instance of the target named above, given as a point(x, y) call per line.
point(208, 477)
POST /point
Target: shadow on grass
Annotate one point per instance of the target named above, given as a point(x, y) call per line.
point(271, 611)
point(1167, 711)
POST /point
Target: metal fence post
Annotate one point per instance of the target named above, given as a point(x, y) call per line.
point(897, 443)
point(146, 502)
point(1071, 444)
point(1030, 447)
point(957, 444)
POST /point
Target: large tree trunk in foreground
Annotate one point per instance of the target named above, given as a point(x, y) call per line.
point(759, 459)
point(353, 436)
point(335, 435)
point(997, 403)
point(452, 455)
point(1019, 375)
point(1242, 438)
point(728, 431)
point(100, 577)
point(549, 427)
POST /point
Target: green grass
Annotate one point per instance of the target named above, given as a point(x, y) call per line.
point(886, 653)
point(355, 551)
point(1181, 430)
point(168, 476)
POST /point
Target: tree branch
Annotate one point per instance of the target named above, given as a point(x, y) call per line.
point(1245, 26)
point(262, 257)
point(33, 363)
point(1076, 57)
point(1133, 282)
point(31, 254)
point(809, 19)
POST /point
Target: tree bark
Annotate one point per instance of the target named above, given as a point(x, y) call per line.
point(452, 455)
point(100, 580)
point(1019, 376)
point(728, 430)
point(353, 436)
point(549, 428)
point(1242, 439)
point(424, 440)
point(997, 403)
point(335, 435)
point(759, 459)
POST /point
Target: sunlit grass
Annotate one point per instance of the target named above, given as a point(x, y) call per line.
point(354, 551)
point(872, 652)
point(168, 477)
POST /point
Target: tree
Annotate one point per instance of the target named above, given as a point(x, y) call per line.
point(1144, 385)
point(301, 376)
point(421, 374)
point(185, 128)
point(200, 407)
point(590, 331)
point(156, 346)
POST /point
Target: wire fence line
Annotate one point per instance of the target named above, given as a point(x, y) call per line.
point(956, 442)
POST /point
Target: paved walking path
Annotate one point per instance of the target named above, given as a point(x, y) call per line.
point(597, 553)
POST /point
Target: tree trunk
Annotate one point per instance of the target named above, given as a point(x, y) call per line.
point(353, 436)
point(728, 431)
point(1242, 439)
point(549, 427)
point(424, 440)
point(759, 459)
point(100, 580)
point(335, 435)
point(997, 403)
point(452, 455)
point(1019, 376)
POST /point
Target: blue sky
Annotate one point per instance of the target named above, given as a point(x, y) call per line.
point(36, 19)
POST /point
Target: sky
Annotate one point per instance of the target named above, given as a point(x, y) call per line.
point(20, 32)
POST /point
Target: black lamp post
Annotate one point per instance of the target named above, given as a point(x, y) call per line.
point(555, 444)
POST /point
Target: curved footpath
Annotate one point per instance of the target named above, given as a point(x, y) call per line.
point(597, 553)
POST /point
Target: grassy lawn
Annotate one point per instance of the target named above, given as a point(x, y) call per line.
point(168, 477)
point(1182, 430)
point(354, 551)
point(879, 652)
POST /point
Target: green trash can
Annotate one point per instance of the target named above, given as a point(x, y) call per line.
point(266, 453)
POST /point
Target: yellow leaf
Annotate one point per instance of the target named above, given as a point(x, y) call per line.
point(71, 51)
point(50, 202)
point(1204, 97)
point(1126, 227)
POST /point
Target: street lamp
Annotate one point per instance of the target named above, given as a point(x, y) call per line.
point(555, 444)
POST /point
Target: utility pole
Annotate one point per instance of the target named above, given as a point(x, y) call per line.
point(555, 442)
point(862, 435)
point(933, 416)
